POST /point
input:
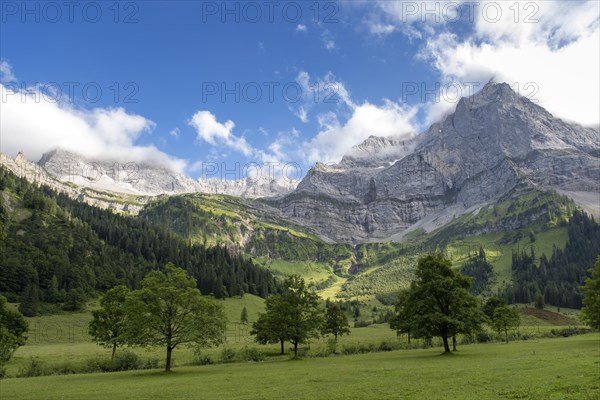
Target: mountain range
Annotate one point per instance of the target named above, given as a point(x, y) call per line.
point(495, 145)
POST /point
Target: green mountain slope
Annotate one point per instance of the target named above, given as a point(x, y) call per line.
point(53, 248)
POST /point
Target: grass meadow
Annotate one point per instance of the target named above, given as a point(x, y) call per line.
point(537, 368)
point(560, 368)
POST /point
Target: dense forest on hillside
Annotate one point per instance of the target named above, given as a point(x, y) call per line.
point(558, 277)
point(54, 249)
point(224, 219)
point(480, 269)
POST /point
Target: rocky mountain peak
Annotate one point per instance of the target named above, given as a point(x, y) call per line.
point(494, 142)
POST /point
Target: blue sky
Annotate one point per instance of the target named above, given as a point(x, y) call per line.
point(162, 69)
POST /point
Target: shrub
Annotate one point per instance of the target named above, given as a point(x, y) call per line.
point(99, 364)
point(202, 359)
point(483, 337)
point(331, 346)
point(251, 354)
point(65, 368)
point(2, 372)
point(150, 363)
point(388, 346)
point(33, 368)
point(126, 361)
point(349, 349)
point(228, 355)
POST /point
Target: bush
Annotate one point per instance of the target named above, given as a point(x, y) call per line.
point(569, 331)
point(331, 346)
point(251, 354)
point(99, 364)
point(33, 368)
point(483, 337)
point(388, 346)
point(126, 361)
point(201, 359)
point(350, 349)
point(228, 355)
point(65, 368)
point(2, 372)
point(150, 363)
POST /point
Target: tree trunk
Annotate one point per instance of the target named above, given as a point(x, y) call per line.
point(506, 335)
point(453, 342)
point(282, 350)
point(296, 349)
point(408, 337)
point(446, 346)
point(168, 362)
point(114, 350)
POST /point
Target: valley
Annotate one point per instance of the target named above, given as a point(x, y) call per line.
point(353, 232)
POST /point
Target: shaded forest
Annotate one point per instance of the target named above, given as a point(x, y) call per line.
point(57, 250)
point(558, 277)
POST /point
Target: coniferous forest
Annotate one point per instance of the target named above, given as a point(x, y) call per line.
point(559, 276)
point(59, 250)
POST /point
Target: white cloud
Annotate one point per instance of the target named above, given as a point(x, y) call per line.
point(554, 61)
point(34, 124)
point(175, 133)
point(377, 28)
point(548, 50)
point(327, 90)
point(335, 139)
point(300, 28)
point(328, 40)
point(6, 74)
point(261, 48)
point(215, 133)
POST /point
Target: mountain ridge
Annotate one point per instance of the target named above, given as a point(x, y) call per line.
point(494, 142)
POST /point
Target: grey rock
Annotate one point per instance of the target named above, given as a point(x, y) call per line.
point(493, 142)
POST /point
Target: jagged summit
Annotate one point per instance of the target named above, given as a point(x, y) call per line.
point(379, 151)
point(494, 142)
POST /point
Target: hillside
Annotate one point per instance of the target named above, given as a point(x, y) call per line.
point(500, 175)
point(54, 249)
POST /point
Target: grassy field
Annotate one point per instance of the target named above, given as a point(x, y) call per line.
point(312, 272)
point(500, 255)
point(565, 368)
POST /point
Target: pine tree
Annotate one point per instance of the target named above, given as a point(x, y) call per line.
point(30, 301)
point(244, 316)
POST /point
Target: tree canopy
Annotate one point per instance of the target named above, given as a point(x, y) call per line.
point(107, 327)
point(169, 311)
point(591, 300)
point(402, 321)
point(13, 330)
point(292, 316)
point(335, 322)
point(505, 319)
point(439, 301)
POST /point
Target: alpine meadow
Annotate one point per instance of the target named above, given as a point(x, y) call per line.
point(300, 200)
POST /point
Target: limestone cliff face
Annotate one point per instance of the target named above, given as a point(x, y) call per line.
point(493, 142)
point(151, 180)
